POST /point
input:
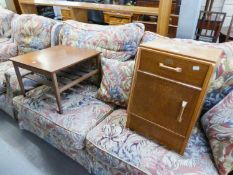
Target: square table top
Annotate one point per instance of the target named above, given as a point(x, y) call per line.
point(55, 58)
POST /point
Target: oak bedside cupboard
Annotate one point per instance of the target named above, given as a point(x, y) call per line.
point(169, 87)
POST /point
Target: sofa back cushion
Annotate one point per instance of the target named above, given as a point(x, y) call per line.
point(32, 32)
point(5, 22)
point(115, 42)
point(218, 125)
point(150, 36)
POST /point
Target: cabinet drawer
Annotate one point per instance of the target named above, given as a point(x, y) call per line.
point(171, 108)
point(173, 67)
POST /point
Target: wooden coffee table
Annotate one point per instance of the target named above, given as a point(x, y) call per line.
point(49, 62)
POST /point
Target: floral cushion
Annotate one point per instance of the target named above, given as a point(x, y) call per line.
point(122, 149)
point(8, 49)
point(32, 32)
point(222, 83)
point(115, 42)
point(116, 81)
point(150, 36)
point(218, 125)
point(6, 17)
point(37, 112)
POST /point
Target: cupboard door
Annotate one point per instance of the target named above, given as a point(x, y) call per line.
point(168, 105)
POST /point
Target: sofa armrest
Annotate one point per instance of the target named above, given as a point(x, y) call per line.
point(8, 49)
point(55, 33)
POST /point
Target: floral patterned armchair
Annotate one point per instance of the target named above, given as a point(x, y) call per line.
point(29, 33)
point(7, 46)
point(6, 17)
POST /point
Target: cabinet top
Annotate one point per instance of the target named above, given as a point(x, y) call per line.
point(209, 54)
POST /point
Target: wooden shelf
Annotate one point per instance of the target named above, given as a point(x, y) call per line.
point(65, 80)
point(94, 6)
point(79, 10)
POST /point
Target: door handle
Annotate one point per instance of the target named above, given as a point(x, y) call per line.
point(176, 69)
point(183, 106)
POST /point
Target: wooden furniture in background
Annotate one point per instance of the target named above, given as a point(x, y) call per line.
point(164, 18)
point(117, 18)
point(209, 26)
point(150, 22)
point(209, 5)
point(155, 3)
point(147, 3)
point(49, 62)
point(225, 36)
point(168, 90)
point(17, 7)
point(230, 31)
point(66, 14)
point(79, 10)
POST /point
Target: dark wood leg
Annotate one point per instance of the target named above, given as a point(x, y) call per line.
point(20, 80)
point(57, 92)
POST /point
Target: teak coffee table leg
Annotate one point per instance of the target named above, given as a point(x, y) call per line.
point(20, 80)
point(57, 92)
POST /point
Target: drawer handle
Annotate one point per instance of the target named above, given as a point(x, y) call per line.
point(183, 106)
point(176, 69)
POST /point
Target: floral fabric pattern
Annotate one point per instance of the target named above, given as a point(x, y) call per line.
point(150, 36)
point(32, 32)
point(11, 86)
point(222, 83)
point(115, 42)
point(116, 81)
point(114, 145)
point(218, 126)
point(8, 49)
point(6, 105)
point(55, 33)
point(3, 68)
point(37, 113)
point(6, 17)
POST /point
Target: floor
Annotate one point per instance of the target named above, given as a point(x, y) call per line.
point(22, 153)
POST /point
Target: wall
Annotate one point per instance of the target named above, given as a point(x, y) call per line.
point(228, 8)
point(10, 5)
point(3, 3)
point(189, 13)
point(217, 6)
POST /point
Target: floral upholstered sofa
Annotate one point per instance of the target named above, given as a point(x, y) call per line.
point(22, 34)
point(92, 129)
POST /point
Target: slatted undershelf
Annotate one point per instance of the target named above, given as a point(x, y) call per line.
point(66, 78)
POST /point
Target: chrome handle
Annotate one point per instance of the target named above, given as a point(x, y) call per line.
point(176, 69)
point(183, 106)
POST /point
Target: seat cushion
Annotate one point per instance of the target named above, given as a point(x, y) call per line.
point(131, 153)
point(218, 126)
point(115, 42)
point(82, 111)
point(32, 32)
